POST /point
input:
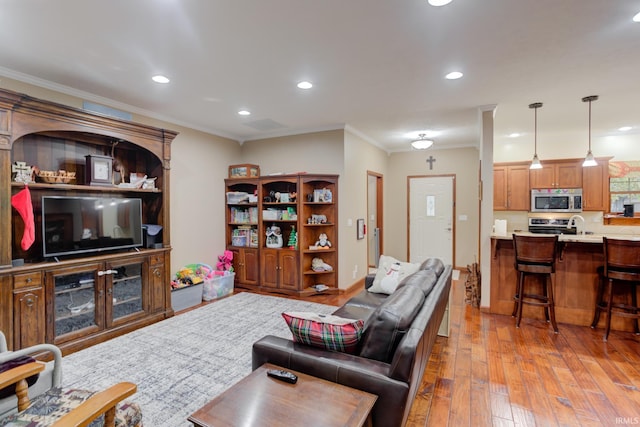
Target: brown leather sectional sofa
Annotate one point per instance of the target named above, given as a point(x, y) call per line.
point(399, 333)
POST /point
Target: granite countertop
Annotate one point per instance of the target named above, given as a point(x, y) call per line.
point(581, 238)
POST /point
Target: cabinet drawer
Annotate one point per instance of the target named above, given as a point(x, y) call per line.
point(27, 280)
point(156, 259)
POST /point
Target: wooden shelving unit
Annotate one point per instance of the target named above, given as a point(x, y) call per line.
point(306, 203)
point(56, 137)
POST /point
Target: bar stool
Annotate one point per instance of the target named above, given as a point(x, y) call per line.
point(621, 271)
point(535, 255)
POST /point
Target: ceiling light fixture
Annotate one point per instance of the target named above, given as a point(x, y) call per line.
point(589, 160)
point(422, 143)
point(535, 163)
point(160, 79)
point(439, 2)
point(454, 75)
point(636, 18)
point(244, 113)
point(305, 85)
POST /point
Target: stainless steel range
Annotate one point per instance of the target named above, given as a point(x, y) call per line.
point(550, 225)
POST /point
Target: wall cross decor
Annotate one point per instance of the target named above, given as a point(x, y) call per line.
point(431, 160)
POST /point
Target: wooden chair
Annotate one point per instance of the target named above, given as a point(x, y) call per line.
point(621, 271)
point(535, 255)
point(50, 377)
point(45, 403)
point(76, 408)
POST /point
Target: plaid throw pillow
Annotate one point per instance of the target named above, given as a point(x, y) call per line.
point(326, 331)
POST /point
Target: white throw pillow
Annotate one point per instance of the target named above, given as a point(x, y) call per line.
point(390, 274)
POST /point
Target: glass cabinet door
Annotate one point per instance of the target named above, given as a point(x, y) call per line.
point(77, 305)
point(126, 293)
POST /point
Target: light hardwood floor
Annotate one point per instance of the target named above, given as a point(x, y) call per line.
point(488, 373)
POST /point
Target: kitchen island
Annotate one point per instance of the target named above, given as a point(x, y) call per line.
point(575, 281)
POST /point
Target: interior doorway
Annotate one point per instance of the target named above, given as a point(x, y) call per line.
point(374, 219)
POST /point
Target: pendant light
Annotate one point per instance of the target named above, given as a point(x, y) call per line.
point(422, 143)
point(589, 160)
point(535, 163)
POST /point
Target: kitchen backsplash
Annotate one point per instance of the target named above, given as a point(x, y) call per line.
point(518, 220)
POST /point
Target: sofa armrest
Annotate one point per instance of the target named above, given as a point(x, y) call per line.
point(341, 368)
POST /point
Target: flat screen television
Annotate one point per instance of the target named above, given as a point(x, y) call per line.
point(76, 225)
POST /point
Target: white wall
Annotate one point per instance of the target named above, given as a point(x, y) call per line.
point(361, 157)
point(199, 165)
point(461, 162)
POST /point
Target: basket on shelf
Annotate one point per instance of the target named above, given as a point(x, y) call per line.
point(56, 177)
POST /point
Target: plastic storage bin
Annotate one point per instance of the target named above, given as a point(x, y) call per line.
point(218, 286)
point(236, 197)
point(183, 298)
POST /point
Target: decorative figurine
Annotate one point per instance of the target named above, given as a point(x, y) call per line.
point(293, 238)
point(23, 172)
point(323, 242)
point(274, 237)
point(318, 264)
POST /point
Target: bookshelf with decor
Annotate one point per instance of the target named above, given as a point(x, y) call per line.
point(276, 252)
point(242, 221)
point(319, 233)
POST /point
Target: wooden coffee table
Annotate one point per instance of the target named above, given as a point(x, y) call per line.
point(259, 400)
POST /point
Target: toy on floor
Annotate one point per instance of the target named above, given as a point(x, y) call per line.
point(225, 263)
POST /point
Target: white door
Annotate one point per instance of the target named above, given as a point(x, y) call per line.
point(431, 218)
point(431, 223)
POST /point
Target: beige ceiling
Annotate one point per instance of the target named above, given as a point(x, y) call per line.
point(378, 66)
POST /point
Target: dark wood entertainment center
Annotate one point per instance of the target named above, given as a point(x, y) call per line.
point(78, 301)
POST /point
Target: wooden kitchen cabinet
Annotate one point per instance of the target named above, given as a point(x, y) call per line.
point(511, 187)
point(595, 187)
point(557, 174)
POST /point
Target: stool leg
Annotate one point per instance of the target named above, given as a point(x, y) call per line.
point(552, 304)
point(516, 297)
point(607, 327)
point(521, 277)
point(599, 302)
point(545, 294)
point(634, 303)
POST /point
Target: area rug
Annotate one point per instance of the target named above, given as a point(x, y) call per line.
point(183, 362)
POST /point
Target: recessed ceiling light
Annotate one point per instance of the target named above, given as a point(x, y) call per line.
point(513, 135)
point(160, 79)
point(624, 128)
point(244, 112)
point(305, 85)
point(636, 18)
point(454, 75)
point(439, 2)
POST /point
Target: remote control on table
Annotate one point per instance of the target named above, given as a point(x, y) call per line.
point(281, 375)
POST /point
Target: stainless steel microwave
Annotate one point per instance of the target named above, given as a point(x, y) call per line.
point(556, 200)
